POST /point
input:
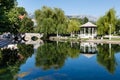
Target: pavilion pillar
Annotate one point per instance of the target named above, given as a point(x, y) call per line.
point(84, 31)
point(92, 32)
point(89, 31)
point(84, 49)
point(81, 31)
point(95, 31)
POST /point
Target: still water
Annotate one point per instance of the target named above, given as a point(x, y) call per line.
point(60, 61)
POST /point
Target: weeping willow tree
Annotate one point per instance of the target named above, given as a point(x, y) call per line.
point(73, 25)
point(106, 23)
point(50, 21)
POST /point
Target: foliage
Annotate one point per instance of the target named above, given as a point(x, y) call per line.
point(85, 20)
point(106, 22)
point(73, 25)
point(117, 27)
point(14, 21)
point(5, 7)
point(60, 21)
point(19, 24)
point(9, 17)
point(50, 21)
point(26, 25)
point(25, 50)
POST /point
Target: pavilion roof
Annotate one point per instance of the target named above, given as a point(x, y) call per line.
point(88, 55)
point(88, 24)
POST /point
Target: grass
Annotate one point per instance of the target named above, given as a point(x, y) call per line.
point(115, 39)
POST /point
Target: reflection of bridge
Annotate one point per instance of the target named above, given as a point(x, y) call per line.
point(36, 43)
point(28, 36)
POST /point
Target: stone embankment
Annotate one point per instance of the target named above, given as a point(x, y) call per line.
point(64, 39)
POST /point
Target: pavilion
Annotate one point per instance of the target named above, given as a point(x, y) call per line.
point(88, 30)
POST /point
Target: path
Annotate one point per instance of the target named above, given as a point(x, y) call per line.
point(4, 42)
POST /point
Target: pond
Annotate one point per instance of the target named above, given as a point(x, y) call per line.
point(60, 61)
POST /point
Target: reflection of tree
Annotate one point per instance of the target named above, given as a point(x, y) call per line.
point(52, 55)
point(25, 50)
point(10, 60)
point(106, 57)
point(116, 48)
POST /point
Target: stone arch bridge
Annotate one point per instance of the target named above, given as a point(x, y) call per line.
point(28, 36)
point(36, 43)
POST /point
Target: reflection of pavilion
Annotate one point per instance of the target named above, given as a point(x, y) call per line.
point(88, 49)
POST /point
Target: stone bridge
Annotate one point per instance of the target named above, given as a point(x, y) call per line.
point(28, 36)
point(36, 43)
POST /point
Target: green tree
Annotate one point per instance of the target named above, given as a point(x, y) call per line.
point(101, 26)
point(107, 23)
point(60, 21)
point(26, 25)
point(117, 27)
point(50, 21)
point(5, 7)
point(85, 20)
point(44, 20)
point(11, 17)
point(19, 21)
point(73, 25)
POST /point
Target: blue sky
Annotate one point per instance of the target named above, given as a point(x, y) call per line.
point(74, 7)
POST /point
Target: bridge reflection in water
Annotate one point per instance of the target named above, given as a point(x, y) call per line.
point(35, 44)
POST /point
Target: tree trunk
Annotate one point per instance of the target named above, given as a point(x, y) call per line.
point(57, 33)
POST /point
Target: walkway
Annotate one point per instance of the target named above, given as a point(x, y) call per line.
point(4, 42)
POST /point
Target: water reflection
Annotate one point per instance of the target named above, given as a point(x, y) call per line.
point(106, 57)
point(55, 55)
point(52, 55)
point(11, 60)
point(88, 49)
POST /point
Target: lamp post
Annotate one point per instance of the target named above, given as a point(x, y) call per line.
point(110, 32)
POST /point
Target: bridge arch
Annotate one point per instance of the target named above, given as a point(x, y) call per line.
point(28, 36)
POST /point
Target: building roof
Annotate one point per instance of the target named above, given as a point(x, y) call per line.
point(88, 24)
